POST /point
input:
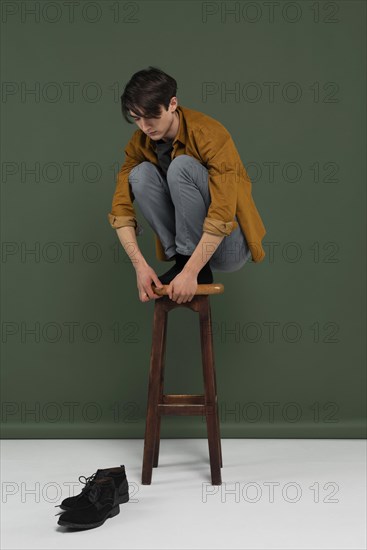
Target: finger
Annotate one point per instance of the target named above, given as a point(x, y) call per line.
point(170, 290)
point(148, 291)
point(154, 295)
point(157, 281)
point(146, 296)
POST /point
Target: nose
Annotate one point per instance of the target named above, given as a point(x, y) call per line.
point(144, 128)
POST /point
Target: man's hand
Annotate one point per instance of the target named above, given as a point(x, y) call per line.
point(183, 287)
point(144, 277)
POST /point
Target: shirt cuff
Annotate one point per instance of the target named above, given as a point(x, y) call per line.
point(219, 227)
point(123, 221)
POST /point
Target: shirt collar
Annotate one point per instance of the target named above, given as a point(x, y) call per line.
point(181, 137)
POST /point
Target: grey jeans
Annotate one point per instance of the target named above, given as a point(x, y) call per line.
point(175, 208)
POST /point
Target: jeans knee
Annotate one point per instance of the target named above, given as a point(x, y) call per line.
point(139, 173)
point(180, 162)
point(184, 164)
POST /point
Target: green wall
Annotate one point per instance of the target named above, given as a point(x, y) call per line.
point(289, 85)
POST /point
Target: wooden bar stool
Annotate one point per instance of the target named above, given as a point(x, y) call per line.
point(160, 404)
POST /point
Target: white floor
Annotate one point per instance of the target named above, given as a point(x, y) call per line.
point(276, 493)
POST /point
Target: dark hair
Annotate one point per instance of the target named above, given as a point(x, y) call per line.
point(146, 91)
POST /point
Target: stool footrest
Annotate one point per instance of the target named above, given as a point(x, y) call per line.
point(180, 399)
point(183, 404)
point(182, 409)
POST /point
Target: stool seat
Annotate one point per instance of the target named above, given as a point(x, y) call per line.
point(162, 404)
point(203, 289)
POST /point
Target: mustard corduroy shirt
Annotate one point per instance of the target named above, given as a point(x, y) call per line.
point(206, 139)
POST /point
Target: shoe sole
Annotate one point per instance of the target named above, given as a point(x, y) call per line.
point(113, 512)
point(120, 500)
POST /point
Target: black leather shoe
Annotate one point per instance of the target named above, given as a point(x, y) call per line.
point(118, 475)
point(101, 497)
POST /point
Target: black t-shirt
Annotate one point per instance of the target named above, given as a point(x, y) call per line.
point(163, 150)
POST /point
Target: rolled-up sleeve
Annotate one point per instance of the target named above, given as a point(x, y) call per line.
point(217, 227)
point(220, 156)
point(122, 221)
point(122, 211)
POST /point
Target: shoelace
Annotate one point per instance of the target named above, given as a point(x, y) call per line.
point(88, 481)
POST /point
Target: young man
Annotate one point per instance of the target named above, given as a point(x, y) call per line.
point(183, 169)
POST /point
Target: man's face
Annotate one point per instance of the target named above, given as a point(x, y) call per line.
point(157, 128)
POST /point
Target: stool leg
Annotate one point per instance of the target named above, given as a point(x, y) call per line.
point(157, 352)
point(212, 418)
point(161, 388)
point(215, 389)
